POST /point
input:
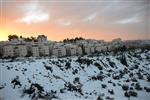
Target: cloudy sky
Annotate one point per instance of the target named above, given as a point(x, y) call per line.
point(59, 19)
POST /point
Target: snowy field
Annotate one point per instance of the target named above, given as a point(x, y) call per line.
point(120, 76)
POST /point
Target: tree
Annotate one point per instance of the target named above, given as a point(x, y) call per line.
point(10, 37)
point(73, 39)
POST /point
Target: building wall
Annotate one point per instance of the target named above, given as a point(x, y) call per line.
point(20, 50)
point(87, 50)
point(44, 50)
point(79, 51)
point(59, 52)
point(35, 51)
point(8, 51)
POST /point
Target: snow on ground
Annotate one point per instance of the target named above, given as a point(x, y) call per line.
point(78, 78)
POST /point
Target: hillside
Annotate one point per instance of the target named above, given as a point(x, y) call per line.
point(101, 77)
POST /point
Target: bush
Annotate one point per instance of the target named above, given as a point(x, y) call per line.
point(147, 89)
point(123, 60)
point(76, 80)
point(68, 65)
point(98, 66)
point(112, 64)
point(111, 91)
point(99, 98)
point(130, 93)
point(84, 61)
point(137, 86)
point(134, 79)
point(126, 94)
point(148, 78)
point(125, 87)
point(104, 85)
point(140, 76)
point(133, 93)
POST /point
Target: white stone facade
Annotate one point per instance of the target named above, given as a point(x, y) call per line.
point(20, 50)
point(8, 51)
point(44, 50)
point(59, 52)
point(79, 51)
point(35, 51)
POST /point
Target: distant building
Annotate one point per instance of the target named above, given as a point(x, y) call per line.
point(44, 50)
point(92, 49)
point(117, 40)
point(8, 51)
point(87, 50)
point(79, 50)
point(35, 51)
point(71, 49)
point(59, 52)
point(20, 50)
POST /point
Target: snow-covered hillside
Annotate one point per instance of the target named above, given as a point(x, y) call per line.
point(105, 77)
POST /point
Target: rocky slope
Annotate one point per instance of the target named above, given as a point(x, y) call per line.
point(103, 77)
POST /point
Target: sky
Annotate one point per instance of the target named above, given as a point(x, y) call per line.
point(90, 19)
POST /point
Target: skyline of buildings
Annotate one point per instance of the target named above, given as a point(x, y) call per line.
point(18, 47)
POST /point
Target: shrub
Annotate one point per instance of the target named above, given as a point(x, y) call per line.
point(98, 66)
point(133, 93)
point(137, 86)
point(112, 64)
point(76, 80)
point(134, 79)
point(104, 85)
point(130, 93)
point(125, 87)
point(147, 89)
point(84, 61)
point(123, 60)
point(99, 98)
point(126, 94)
point(68, 65)
point(111, 91)
point(148, 78)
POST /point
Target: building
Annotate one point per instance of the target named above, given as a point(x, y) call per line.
point(20, 50)
point(86, 49)
point(8, 51)
point(35, 51)
point(44, 50)
point(79, 50)
point(117, 40)
point(71, 49)
point(92, 49)
point(59, 52)
point(101, 48)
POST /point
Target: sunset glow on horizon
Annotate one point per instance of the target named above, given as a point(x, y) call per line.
point(101, 20)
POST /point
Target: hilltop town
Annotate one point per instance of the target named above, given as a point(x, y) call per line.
point(79, 69)
point(41, 47)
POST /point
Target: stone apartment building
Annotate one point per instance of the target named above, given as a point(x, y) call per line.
point(8, 51)
point(87, 49)
point(79, 50)
point(35, 51)
point(20, 50)
point(59, 52)
point(71, 49)
point(44, 50)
